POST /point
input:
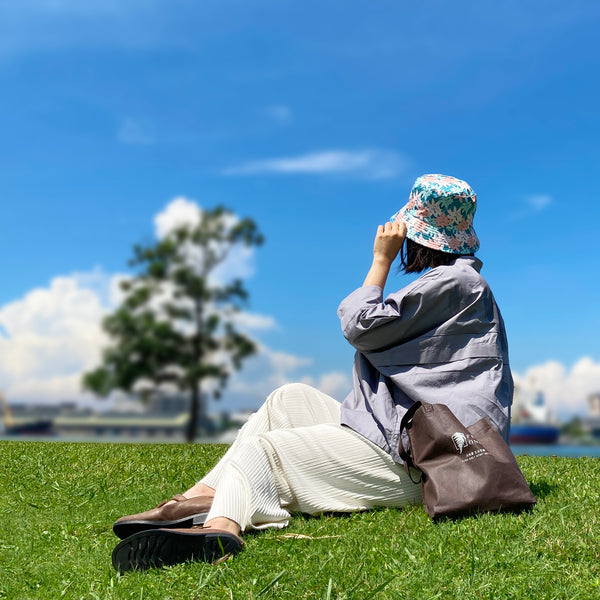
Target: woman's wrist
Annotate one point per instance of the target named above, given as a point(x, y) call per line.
point(378, 273)
point(383, 261)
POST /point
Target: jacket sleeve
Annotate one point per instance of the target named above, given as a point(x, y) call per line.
point(371, 323)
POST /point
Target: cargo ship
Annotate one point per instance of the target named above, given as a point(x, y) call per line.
point(22, 426)
point(532, 423)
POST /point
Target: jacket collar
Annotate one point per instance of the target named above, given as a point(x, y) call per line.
point(471, 261)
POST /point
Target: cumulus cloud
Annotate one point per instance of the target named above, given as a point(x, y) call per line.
point(566, 389)
point(270, 369)
point(264, 372)
point(52, 335)
point(335, 384)
point(368, 164)
point(183, 211)
point(178, 213)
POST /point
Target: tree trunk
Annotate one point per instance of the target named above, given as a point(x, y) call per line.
point(197, 408)
point(195, 412)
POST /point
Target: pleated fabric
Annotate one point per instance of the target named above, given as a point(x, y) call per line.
point(294, 456)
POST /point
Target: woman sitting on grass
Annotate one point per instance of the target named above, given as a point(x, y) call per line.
point(440, 339)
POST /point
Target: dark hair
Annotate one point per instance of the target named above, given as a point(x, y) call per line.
point(415, 258)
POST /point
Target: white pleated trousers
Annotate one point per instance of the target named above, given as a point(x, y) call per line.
point(294, 456)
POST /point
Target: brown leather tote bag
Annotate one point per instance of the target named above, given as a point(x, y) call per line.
point(464, 470)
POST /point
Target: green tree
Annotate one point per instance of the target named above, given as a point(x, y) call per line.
point(175, 325)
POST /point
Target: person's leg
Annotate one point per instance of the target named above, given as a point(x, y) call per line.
point(331, 468)
point(247, 493)
point(288, 407)
point(321, 468)
point(246, 490)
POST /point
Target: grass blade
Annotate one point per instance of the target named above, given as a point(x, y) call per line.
point(272, 582)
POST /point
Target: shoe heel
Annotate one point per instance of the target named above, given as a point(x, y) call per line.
point(199, 520)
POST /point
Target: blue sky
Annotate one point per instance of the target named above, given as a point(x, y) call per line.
point(313, 118)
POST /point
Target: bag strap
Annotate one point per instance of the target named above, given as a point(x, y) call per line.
point(406, 423)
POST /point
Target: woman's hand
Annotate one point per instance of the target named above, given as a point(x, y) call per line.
point(388, 241)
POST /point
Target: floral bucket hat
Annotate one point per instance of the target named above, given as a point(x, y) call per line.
point(439, 214)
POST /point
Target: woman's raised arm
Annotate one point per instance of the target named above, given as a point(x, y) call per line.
point(388, 241)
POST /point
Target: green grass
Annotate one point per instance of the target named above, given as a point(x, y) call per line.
point(58, 502)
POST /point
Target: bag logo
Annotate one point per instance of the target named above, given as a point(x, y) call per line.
point(460, 441)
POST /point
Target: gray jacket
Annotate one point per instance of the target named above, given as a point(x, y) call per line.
point(439, 339)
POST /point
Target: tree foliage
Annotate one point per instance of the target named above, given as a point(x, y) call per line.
point(175, 326)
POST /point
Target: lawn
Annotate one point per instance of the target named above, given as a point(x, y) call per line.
point(59, 500)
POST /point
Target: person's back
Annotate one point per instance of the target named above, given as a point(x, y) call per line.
point(441, 339)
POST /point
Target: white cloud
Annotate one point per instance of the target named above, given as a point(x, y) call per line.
point(132, 132)
point(335, 384)
point(254, 321)
point(368, 163)
point(264, 372)
point(52, 335)
point(50, 390)
point(182, 211)
point(270, 369)
point(566, 390)
point(179, 212)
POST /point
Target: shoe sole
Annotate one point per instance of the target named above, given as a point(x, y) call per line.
point(163, 547)
point(124, 529)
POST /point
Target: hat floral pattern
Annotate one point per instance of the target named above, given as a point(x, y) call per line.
point(439, 214)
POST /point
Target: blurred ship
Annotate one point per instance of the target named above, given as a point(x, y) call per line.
point(532, 422)
point(26, 426)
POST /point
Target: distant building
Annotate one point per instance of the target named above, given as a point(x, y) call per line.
point(594, 404)
point(168, 404)
point(122, 425)
point(591, 424)
point(161, 418)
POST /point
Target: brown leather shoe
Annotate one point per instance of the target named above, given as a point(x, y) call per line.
point(162, 547)
point(184, 513)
